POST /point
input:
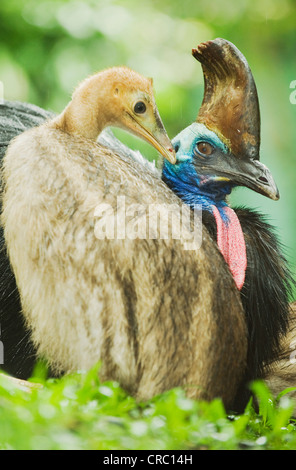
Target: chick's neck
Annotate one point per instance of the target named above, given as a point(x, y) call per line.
point(90, 110)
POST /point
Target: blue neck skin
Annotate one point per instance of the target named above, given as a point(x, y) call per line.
point(183, 179)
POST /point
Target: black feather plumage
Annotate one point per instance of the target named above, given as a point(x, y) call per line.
point(266, 292)
point(19, 351)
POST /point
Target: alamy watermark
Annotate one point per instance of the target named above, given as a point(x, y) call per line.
point(149, 221)
point(293, 93)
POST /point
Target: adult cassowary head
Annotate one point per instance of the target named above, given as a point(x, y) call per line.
point(221, 149)
point(223, 144)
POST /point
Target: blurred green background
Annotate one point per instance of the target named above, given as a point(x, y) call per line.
point(47, 47)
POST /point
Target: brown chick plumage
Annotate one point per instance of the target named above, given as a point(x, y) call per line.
point(117, 97)
point(144, 307)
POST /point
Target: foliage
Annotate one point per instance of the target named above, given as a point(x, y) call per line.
point(79, 412)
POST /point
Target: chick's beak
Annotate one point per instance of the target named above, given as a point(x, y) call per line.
point(159, 139)
point(154, 133)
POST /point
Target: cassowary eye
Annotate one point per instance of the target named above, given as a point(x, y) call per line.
point(140, 107)
point(203, 148)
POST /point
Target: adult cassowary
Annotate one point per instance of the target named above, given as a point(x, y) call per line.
point(214, 155)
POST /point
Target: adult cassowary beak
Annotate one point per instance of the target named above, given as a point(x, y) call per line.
point(230, 108)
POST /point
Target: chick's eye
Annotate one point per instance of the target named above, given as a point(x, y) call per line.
point(140, 107)
point(204, 148)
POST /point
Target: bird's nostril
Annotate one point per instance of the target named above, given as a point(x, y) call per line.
point(263, 179)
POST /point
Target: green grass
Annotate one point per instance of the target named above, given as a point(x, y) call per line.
point(79, 412)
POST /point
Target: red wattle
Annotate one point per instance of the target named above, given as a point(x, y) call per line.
point(231, 242)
